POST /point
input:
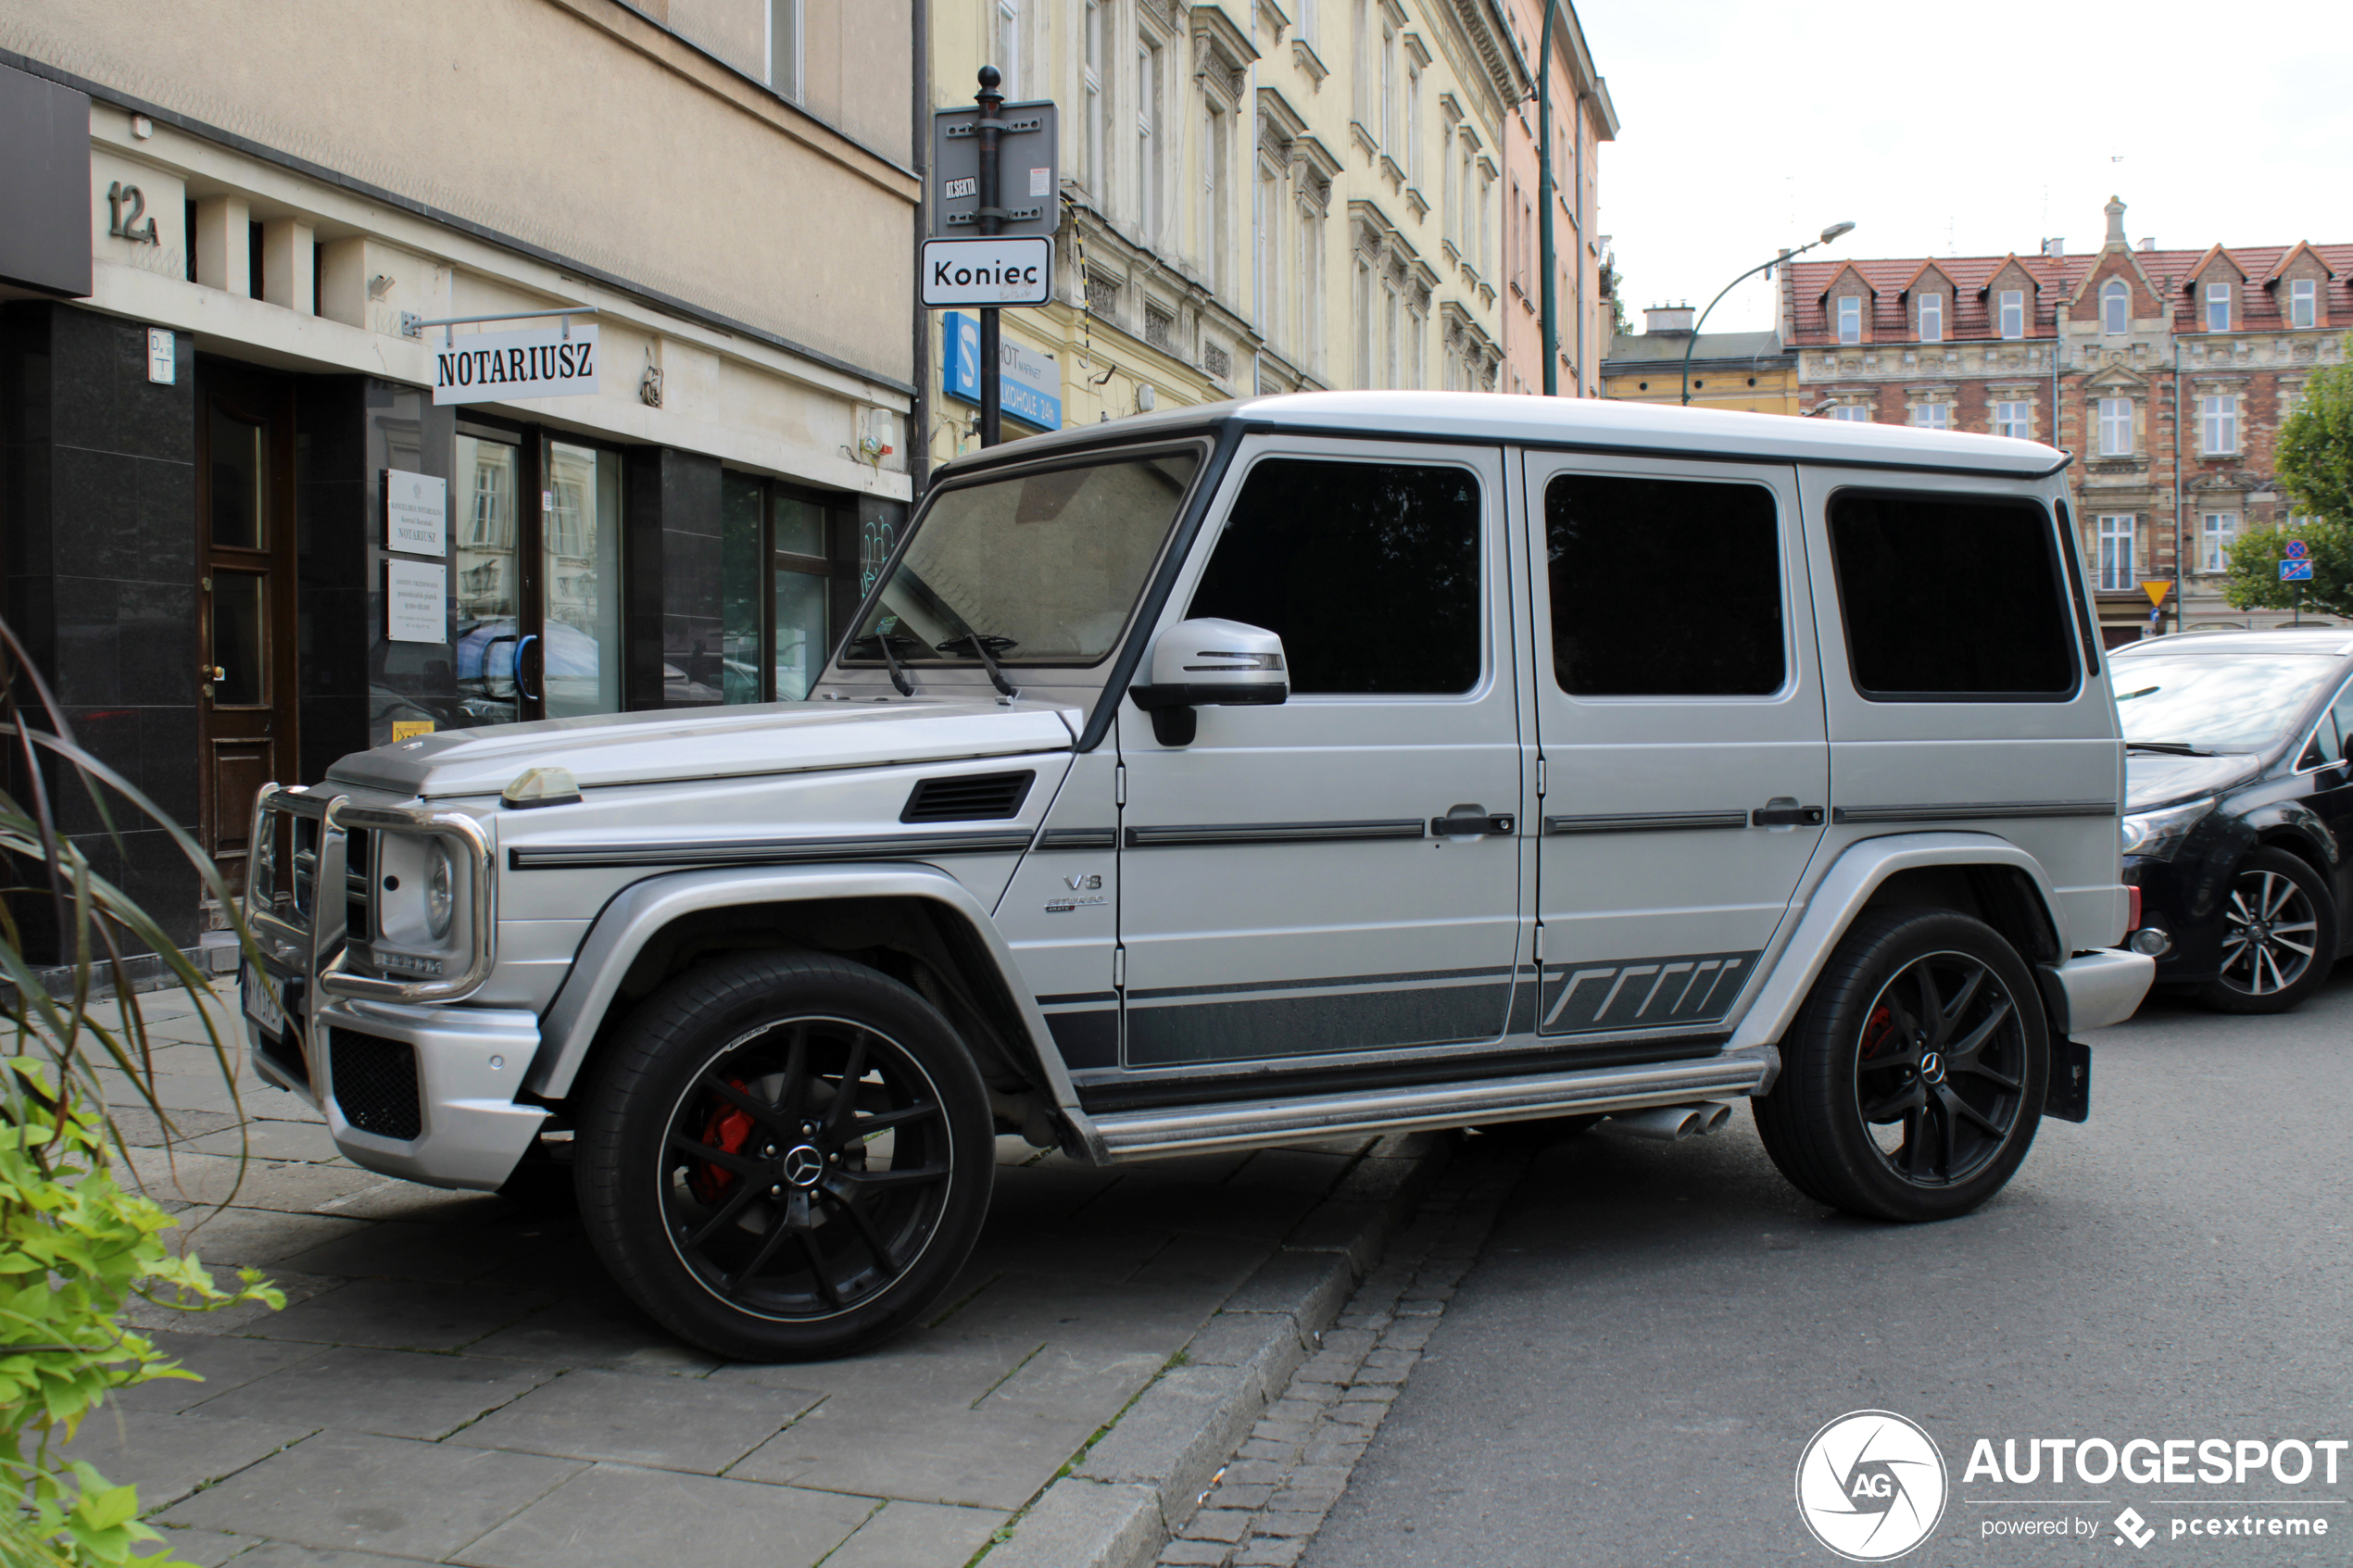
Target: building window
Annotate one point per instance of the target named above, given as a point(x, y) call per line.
point(2219, 424)
point(1265, 251)
point(1392, 338)
point(1009, 45)
point(1215, 222)
point(1465, 240)
point(1307, 22)
point(1932, 317)
point(2013, 313)
point(2116, 554)
point(2217, 308)
point(1485, 226)
point(1933, 416)
point(1850, 318)
point(1416, 347)
point(2303, 303)
point(1091, 90)
point(2116, 307)
point(2013, 420)
point(1852, 413)
point(784, 48)
point(774, 577)
point(1364, 303)
point(1413, 159)
point(1148, 76)
point(2116, 427)
point(1389, 88)
point(1360, 78)
point(2215, 533)
point(1311, 288)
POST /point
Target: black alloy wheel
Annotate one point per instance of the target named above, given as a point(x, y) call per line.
point(1913, 1079)
point(786, 1156)
point(2279, 936)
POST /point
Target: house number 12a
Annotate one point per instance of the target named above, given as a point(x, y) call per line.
point(127, 224)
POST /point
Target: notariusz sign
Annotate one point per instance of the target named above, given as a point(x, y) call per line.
point(499, 366)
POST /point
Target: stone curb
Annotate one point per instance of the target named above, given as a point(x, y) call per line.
point(1137, 1486)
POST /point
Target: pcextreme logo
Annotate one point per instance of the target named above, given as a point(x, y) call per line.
point(1870, 1486)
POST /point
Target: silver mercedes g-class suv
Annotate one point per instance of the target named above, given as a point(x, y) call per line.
point(1304, 766)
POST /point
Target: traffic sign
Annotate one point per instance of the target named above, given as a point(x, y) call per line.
point(989, 272)
point(1030, 189)
point(2158, 589)
point(2295, 571)
point(2298, 550)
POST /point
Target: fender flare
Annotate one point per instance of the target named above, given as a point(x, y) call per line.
point(640, 910)
point(1840, 896)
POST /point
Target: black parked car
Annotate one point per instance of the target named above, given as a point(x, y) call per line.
point(2238, 827)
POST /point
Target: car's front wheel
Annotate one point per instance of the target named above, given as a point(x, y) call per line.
point(2279, 936)
point(1913, 1080)
point(784, 1155)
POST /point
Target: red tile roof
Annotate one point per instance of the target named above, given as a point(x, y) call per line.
point(2056, 280)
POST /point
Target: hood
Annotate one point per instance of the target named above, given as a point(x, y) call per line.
point(703, 743)
point(2153, 779)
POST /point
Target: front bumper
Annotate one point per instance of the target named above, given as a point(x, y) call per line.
point(423, 1093)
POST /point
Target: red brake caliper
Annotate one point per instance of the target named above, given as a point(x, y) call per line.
point(728, 1129)
point(1875, 1032)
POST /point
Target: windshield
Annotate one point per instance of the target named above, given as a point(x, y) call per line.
point(1046, 567)
point(2214, 701)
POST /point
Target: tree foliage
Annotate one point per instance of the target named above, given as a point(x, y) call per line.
point(2314, 464)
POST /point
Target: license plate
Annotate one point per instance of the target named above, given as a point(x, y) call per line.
point(260, 1006)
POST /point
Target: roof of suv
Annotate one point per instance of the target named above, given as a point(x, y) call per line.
point(2318, 639)
point(1583, 422)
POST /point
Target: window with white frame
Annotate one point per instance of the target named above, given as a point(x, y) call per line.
point(1933, 416)
point(1388, 130)
point(1091, 88)
point(784, 48)
point(2114, 564)
point(1360, 52)
point(1307, 22)
point(1217, 214)
point(1465, 239)
point(1309, 293)
point(1364, 322)
point(2014, 419)
point(1850, 318)
point(1265, 251)
point(2218, 417)
point(2116, 307)
point(1485, 225)
point(1852, 413)
point(2303, 303)
point(2216, 532)
point(1449, 217)
point(1416, 340)
point(2217, 308)
point(1412, 153)
point(2116, 427)
point(1932, 317)
point(1009, 49)
point(1148, 174)
point(2011, 311)
point(1392, 337)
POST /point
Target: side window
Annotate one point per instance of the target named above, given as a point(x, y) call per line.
point(1610, 545)
point(1951, 600)
point(2335, 732)
point(1368, 571)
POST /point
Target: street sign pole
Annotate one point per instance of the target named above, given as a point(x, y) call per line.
point(992, 391)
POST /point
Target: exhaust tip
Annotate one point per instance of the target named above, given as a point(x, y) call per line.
point(1671, 1123)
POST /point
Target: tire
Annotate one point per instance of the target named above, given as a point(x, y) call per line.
point(2279, 936)
point(742, 1199)
point(1913, 1079)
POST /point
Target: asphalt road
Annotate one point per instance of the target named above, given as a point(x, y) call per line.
point(1654, 1333)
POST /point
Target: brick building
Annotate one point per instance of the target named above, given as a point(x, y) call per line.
point(2167, 374)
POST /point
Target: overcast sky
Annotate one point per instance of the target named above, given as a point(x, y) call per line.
point(1747, 125)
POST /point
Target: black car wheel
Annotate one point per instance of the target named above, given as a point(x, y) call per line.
point(2279, 936)
point(1913, 1080)
point(784, 1155)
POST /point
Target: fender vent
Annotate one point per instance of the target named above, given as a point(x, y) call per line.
point(973, 797)
point(376, 1084)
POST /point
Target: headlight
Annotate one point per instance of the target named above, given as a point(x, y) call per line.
point(441, 891)
point(2158, 834)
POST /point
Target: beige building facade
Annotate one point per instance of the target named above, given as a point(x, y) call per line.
point(206, 431)
point(1258, 196)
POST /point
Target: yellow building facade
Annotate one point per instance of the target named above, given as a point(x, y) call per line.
point(1751, 370)
point(1258, 196)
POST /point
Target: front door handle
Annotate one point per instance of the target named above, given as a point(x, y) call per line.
point(1783, 811)
point(1468, 822)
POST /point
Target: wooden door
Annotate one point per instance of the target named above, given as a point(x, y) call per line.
point(247, 696)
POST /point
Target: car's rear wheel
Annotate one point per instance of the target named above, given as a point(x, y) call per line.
point(1913, 1079)
point(2279, 936)
point(784, 1155)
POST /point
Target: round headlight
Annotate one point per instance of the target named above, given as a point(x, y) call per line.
point(441, 891)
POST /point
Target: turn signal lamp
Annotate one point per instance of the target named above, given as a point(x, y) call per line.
point(542, 787)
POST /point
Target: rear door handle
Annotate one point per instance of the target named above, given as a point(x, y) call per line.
point(1783, 811)
point(1468, 822)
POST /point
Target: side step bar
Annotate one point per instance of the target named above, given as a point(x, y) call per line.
point(1146, 1134)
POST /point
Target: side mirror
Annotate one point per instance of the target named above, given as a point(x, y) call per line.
point(1210, 664)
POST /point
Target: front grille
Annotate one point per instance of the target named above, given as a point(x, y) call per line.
point(973, 797)
point(359, 862)
point(376, 1084)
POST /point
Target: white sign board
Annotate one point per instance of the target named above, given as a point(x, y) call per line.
point(1014, 271)
point(416, 513)
point(415, 602)
point(499, 366)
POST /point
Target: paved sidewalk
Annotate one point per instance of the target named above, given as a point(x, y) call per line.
point(455, 1380)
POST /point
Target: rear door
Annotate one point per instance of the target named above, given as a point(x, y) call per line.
point(1678, 709)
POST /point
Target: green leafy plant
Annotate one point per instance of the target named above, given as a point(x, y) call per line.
point(2314, 464)
point(77, 1247)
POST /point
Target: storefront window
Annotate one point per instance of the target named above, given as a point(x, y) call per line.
point(775, 581)
point(580, 573)
point(483, 562)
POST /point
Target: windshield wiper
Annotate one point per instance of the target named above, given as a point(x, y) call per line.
point(2170, 747)
point(883, 640)
point(981, 643)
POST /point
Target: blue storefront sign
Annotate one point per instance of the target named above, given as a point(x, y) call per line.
point(1031, 382)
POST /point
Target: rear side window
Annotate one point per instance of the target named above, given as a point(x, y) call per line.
point(1368, 571)
point(1951, 598)
point(1614, 548)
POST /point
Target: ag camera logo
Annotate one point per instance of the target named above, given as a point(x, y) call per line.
point(1870, 1486)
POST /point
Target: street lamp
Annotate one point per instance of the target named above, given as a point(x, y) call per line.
point(1833, 232)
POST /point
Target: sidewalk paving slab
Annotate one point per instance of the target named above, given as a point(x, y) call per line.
point(390, 1393)
point(651, 1422)
point(611, 1516)
point(173, 1455)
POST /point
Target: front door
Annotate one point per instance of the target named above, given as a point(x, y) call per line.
point(1282, 894)
point(1679, 706)
point(246, 698)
